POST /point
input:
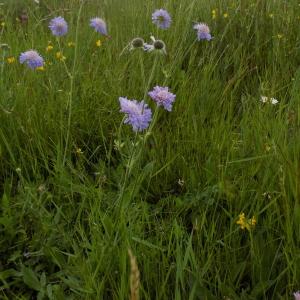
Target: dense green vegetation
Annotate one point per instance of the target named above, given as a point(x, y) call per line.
point(79, 188)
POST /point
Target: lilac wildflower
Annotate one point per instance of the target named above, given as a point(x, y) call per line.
point(203, 31)
point(99, 25)
point(32, 59)
point(138, 115)
point(58, 26)
point(161, 18)
point(162, 97)
point(297, 295)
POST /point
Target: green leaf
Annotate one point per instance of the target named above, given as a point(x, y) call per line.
point(30, 279)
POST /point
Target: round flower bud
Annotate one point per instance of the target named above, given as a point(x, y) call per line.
point(159, 44)
point(137, 43)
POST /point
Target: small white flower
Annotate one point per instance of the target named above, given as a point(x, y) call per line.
point(265, 99)
point(274, 101)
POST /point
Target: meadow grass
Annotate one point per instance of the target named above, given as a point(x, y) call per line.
point(91, 210)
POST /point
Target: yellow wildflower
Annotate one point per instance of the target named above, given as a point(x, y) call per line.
point(242, 221)
point(214, 13)
point(267, 147)
point(98, 43)
point(253, 221)
point(225, 15)
point(246, 223)
point(60, 56)
point(79, 151)
point(49, 48)
point(40, 68)
point(11, 60)
point(71, 44)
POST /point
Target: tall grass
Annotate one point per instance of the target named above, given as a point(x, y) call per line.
point(64, 232)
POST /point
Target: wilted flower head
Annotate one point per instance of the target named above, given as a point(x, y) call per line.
point(23, 17)
point(138, 115)
point(32, 59)
point(137, 43)
point(157, 45)
point(297, 295)
point(265, 99)
point(58, 26)
point(203, 31)
point(161, 18)
point(162, 97)
point(99, 25)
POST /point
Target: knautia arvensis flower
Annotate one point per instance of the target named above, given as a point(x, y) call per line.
point(161, 18)
point(203, 31)
point(58, 26)
point(138, 114)
point(162, 97)
point(99, 25)
point(32, 59)
point(297, 295)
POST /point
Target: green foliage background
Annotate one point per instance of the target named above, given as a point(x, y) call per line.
point(64, 234)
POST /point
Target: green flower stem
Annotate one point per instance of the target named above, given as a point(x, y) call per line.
point(72, 77)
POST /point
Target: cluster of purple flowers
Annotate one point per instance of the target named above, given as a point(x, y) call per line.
point(138, 114)
point(58, 27)
point(162, 19)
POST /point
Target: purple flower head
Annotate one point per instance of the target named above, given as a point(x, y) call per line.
point(99, 25)
point(32, 59)
point(203, 31)
point(58, 26)
point(163, 97)
point(297, 295)
point(161, 18)
point(138, 115)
